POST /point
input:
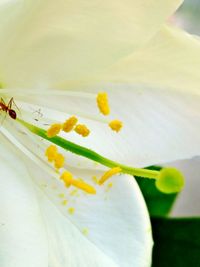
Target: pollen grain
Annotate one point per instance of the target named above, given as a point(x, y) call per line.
point(82, 129)
point(102, 103)
point(69, 124)
point(54, 129)
point(51, 152)
point(116, 125)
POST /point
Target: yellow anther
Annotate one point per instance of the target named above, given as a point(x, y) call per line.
point(82, 130)
point(69, 124)
point(51, 152)
point(54, 129)
point(84, 186)
point(102, 102)
point(67, 178)
point(109, 174)
point(116, 125)
point(59, 161)
point(71, 210)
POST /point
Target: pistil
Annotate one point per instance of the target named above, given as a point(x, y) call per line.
point(176, 178)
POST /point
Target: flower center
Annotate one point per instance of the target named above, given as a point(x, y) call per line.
point(168, 180)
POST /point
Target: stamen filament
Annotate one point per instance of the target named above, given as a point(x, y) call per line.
point(88, 153)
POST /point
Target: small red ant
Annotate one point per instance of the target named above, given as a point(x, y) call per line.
point(8, 108)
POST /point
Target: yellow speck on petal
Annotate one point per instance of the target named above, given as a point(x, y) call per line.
point(61, 195)
point(54, 129)
point(84, 186)
point(85, 231)
point(71, 211)
point(69, 124)
point(109, 174)
point(59, 161)
point(82, 130)
point(102, 103)
point(51, 152)
point(109, 186)
point(74, 192)
point(116, 125)
point(67, 178)
point(64, 202)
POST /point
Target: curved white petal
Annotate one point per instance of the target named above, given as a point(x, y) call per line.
point(171, 60)
point(47, 42)
point(22, 234)
point(109, 229)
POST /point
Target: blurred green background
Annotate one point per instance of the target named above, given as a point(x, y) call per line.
point(188, 16)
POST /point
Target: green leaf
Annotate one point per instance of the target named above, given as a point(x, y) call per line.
point(177, 242)
point(158, 203)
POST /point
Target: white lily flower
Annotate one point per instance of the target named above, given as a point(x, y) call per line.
point(55, 57)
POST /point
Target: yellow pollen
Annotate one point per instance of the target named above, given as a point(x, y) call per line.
point(61, 195)
point(82, 130)
point(54, 129)
point(64, 202)
point(116, 125)
point(51, 153)
point(102, 103)
point(109, 174)
point(85, 231)
point(71, 210)
point(67, 178)
point(59, 161)
point(84, 186)
point(69, 124)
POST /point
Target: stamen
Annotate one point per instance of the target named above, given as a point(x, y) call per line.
point(69, 124)
point(109, 174)
point(54, 130)
point(67, 178)
point(102, 102)
point(116, 125)
point(84, 186)
point(51, 153)
point(82, 130)
point(59, 161)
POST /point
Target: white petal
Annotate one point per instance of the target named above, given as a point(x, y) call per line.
point(110, 228)
point(22, 233)
point(45, 42)
point(187, 203)
point(171, 60)
point(159, 125)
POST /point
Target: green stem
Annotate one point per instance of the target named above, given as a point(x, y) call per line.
point(88, 153)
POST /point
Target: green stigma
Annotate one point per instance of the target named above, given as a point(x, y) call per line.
point(170, 180)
